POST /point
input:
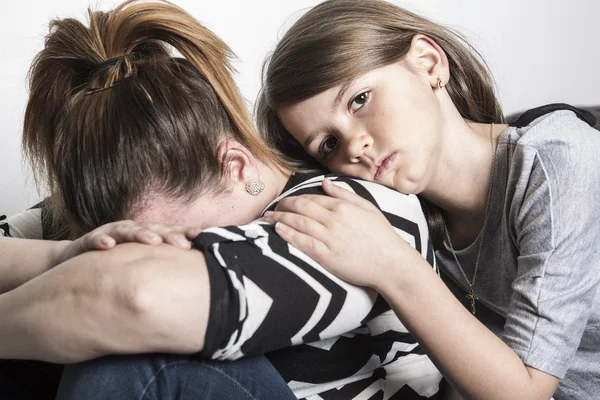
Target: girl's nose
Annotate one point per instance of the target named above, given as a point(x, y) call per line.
point(357, 146)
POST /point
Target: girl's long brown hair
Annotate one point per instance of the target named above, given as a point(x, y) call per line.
point(339, 40)
point(135, 102)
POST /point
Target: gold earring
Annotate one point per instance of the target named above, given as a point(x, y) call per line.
point(440, 83)
point(255, 187)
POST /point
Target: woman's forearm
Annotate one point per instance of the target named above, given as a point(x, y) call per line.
point(132, 299)
point(477, 363)
point(23, 259)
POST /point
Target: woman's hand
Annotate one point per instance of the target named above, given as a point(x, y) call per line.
point(345, 233)
point(108, 236)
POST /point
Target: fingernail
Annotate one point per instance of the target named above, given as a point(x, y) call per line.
point(151, 236)
point(182, 241)
point(106, 241)
point(280, 227)
point(268, 213)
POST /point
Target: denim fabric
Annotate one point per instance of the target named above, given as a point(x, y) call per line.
point(173, 377)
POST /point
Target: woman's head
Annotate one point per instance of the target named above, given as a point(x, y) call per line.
point(136, 106)
point(360, 78)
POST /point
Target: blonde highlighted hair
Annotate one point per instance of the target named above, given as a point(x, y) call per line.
point(137, 100)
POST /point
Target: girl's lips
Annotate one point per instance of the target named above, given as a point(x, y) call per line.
point(385, 166)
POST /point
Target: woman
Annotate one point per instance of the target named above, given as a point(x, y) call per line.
point(404, 102)
point(125, 128)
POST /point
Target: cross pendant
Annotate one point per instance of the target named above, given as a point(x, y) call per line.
point(472, 297)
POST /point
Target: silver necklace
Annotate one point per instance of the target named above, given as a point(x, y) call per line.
point(471, 296)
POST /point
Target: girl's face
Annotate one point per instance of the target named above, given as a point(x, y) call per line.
point(384, 126)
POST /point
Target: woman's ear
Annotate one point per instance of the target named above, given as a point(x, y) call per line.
point(427, 56)
point(237, 162)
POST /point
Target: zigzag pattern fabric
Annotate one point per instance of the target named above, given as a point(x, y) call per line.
point(4, 228)
point(329, 339)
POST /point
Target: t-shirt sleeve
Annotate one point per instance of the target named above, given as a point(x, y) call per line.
point(556, 231)
point(267, 295)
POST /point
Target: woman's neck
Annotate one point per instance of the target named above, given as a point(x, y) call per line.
point(275, 178)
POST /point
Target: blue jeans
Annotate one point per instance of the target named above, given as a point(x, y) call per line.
point(172, 377)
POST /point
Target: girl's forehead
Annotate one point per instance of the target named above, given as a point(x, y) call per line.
point(304, 116)
point(310, 107)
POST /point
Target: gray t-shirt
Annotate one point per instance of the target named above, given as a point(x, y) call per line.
point(540, 260)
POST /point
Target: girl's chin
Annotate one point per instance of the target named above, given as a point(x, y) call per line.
point(406, 185)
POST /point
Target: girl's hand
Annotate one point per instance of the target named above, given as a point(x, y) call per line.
point(345, 233)
point(108, 236)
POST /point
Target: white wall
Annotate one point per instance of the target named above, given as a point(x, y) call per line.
point(540, 51)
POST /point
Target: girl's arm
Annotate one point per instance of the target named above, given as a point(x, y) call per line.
point(353, 240)
point(477, 363)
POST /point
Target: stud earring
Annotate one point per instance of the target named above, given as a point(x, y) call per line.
point(440, 83)
point(255, 187)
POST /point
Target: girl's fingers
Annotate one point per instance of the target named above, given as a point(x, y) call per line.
point(337, 199)
point(299, 223)
point(308, 205)
point(337, 192)
point(310, 246)
point(324, 201)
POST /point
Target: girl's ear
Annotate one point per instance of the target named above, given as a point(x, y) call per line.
point(427, 56)
point(237, 162)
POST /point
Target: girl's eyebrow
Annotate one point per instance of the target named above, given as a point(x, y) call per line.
point(341, 93)
point(311, 138)
point(336, 102)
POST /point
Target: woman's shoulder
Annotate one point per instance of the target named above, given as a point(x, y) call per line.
point(381, 196)
point(402, 209)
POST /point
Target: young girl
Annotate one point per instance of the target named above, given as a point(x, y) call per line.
point(371, 90)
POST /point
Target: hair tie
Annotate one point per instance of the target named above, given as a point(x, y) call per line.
point(110, 62)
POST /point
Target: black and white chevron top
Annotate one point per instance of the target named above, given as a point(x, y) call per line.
point(327, 338)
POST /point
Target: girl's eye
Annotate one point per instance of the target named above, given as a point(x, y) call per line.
point(327, 146)
point(359, 101)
